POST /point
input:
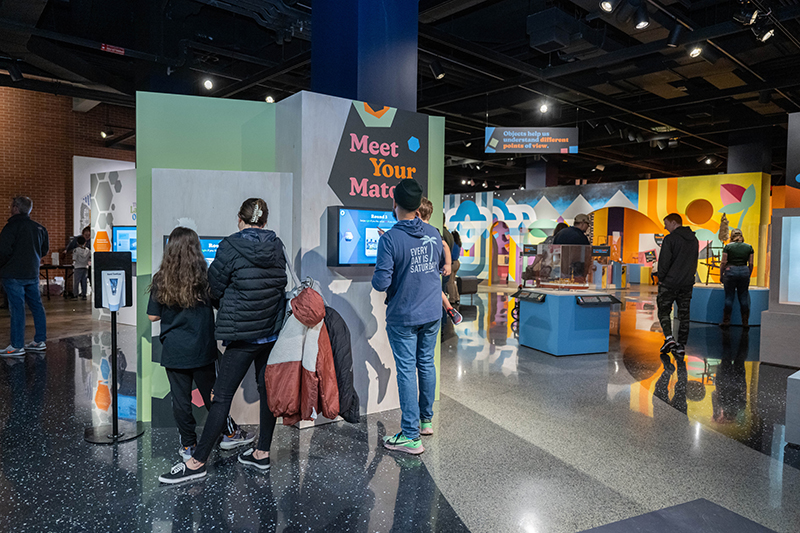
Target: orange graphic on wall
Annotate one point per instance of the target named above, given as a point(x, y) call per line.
point(101, 242)
point(376, 114)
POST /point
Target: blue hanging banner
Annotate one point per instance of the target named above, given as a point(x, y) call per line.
point(531, 140)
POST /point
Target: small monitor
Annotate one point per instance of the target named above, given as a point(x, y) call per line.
point(208, 245)
point(601, 251)
point(124, 240)
point(353, 235)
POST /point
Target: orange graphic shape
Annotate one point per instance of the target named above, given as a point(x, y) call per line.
point(700, 211)
point(102, 398)
point(376, 114)
point(102, 242)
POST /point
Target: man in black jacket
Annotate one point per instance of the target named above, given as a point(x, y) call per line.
point(23, 242)
point(677, 266)
point(575, 234)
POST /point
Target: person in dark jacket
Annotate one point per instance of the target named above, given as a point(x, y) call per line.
point(339, 334)
point(23, 242)
point(576, 234)
point(677, 266)
point(248, 277)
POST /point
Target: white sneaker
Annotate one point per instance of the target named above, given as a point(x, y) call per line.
point(36, 346)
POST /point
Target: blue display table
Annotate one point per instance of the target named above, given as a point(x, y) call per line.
point(559, 325)
point(708, 302)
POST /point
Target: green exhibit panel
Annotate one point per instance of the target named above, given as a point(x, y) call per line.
point(565, 322)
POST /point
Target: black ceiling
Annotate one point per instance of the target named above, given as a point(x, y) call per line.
point(628, 91)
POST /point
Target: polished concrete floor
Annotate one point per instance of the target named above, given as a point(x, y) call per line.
point(524, 441)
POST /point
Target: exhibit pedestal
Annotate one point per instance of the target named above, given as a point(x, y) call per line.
point(555, 322)
point(779, 338)
point(708, 303)
point(793, 409)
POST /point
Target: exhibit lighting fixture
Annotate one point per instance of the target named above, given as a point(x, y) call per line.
point(674, 35)
point(463, 182)
point(673, 143)
point(270, 99)
point(485, 184)
point(695, 50)
point(15, 72)
point(437, 69)
point(208, 84)
point(641, 20)
point(106, 133)
point(763, 30)
point(661, 145)
point(700, 158)
point(609, 128)
point(522, 187)
point(478, 167)
point(747, 14)
point(592, 123)
point(543, 108)
point(709, 161)
point(608, 6)
point(639, 138)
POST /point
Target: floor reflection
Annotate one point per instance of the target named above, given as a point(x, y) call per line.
point(720, 383)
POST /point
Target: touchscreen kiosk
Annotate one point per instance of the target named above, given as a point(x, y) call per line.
point(353, 235)
point(208, 245)
point(124, 240)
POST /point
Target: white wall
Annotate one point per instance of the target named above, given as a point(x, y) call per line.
point(82, 169)
point(187, 194)
point(311, 127)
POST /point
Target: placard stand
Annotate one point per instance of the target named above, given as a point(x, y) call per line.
point(112, 277)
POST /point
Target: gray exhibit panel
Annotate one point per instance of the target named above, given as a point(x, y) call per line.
point(208, 202)
point(780, 323)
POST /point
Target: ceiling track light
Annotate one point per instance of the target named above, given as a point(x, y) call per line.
point(763, 30)
point(642, 19)
point(106, 133)
point(15, 72)
point(673, 143)
point(747, 14)
point(544, 108)
point(270, 99)
point(592, 123)
point(609, 128)
point(695, 50)
point(437, 69)
point(675, 35)
point(639, 138)
point(701, 158)
point(608, 6)
point(208, 84)
point(661, 145)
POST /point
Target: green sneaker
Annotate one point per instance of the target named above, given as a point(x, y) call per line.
point(400, 443)
point(425, 427)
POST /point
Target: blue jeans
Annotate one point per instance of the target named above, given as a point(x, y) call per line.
point(736, 279)
point(413, 348)
point(20, 291)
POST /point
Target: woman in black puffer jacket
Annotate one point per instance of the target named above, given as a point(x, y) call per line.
point(248, 277)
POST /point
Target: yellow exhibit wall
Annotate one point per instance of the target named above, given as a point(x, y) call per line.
point(703, 200)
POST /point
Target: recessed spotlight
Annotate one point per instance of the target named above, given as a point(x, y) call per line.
point(695, 50)
point(208, 84)
point(543, 108)
point(270, 99)
point(463, 182)
point(709, 161)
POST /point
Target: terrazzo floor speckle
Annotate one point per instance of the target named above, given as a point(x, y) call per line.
point(523, 442)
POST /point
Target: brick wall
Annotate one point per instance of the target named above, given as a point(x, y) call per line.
point(39, 134)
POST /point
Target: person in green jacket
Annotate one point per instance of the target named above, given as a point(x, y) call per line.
point(736, 268)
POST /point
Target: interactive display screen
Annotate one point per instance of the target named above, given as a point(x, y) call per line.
point(208, 245)
point(529, 249)
point(601, 251)
point(124, 240)
point(650, 256)
point(355, 234)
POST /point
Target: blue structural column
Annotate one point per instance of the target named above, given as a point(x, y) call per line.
point(366, 50)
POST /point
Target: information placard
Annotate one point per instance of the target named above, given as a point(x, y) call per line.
point(532, 140)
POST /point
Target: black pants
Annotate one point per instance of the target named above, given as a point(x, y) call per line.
point(233, 366)
point(180, 384)
point(666, 297)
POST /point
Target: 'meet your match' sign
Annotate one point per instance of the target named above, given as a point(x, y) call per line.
point(379, 147)
point(532, 140)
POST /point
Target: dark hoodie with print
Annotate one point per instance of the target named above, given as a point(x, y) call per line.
point(410, 256)
point(677, 263)
point(248, 277)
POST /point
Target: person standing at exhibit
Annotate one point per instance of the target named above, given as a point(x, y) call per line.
point(181, 299)
point(410, 257)
point(576, 234)
point(736, 268)
point(23, 242)
point(81, 259)
point(455, 264)
point(677, 266)
point(248, 277)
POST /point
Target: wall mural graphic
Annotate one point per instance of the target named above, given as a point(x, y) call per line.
point(529, 216)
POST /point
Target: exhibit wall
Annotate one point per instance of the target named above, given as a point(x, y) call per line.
point(531, 216)
point(82, 169)
point(113, 203)
point(187, 132)
point(338, 152)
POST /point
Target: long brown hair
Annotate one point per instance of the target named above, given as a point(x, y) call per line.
point(182, 279)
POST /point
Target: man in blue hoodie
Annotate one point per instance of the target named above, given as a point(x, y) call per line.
point(410, 257)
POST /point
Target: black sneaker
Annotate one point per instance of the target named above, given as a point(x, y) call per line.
point(181, 473)
point(679, 351)
point(669, 344)
point(247, 459)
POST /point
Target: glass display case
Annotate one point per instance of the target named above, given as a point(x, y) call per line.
point(789, 289)
point(558, 266)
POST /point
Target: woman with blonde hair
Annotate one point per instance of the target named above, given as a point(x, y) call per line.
point(736, 268)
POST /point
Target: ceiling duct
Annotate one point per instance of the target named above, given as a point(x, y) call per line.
point(554, 30)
